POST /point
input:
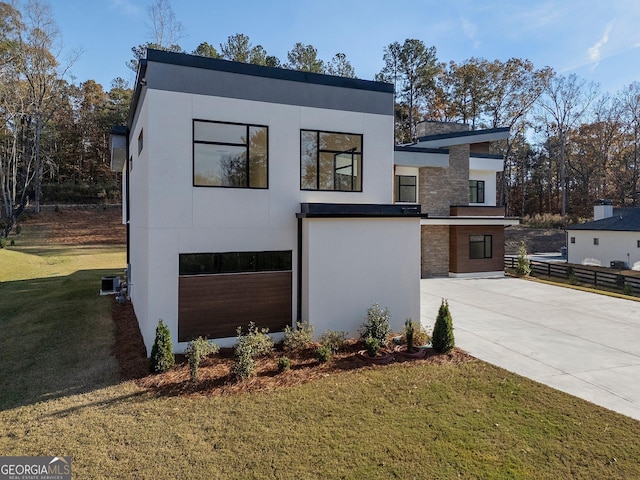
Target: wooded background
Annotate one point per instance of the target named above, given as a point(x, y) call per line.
point(570, 144)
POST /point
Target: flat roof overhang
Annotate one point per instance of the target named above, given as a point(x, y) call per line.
point(505, 221)
point(463, 138)
point(420, 157)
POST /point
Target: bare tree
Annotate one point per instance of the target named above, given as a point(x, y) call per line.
point(164, 28)
point(565, 101)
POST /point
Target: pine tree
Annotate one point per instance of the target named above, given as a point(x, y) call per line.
point(162, 358)
point(442, 339)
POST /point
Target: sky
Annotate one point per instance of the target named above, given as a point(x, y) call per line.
point(597, 40)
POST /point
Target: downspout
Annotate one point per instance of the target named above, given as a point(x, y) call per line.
point(299, 273)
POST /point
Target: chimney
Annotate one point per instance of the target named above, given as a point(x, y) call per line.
point(602, 209)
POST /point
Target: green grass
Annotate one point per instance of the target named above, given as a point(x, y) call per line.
point(60, 396)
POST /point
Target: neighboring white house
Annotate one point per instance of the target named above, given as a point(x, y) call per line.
point(613, 236)
point(261, 194)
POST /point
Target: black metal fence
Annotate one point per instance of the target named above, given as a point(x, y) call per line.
point(583, 275)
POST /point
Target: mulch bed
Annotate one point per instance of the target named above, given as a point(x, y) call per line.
point(215, 372)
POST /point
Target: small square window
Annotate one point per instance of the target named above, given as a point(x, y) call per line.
point(573, 239)
point(405, 188)
point(596, 241)
point(638, 243)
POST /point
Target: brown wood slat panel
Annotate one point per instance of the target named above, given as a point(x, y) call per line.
point(215, 305)
point(476, 211)
point(459, 261)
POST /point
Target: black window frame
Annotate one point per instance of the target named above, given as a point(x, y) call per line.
point(335, 153)
point(140, 141)
point(220, 263)
point(399, 185)
point(472, 255)
point(248, 126)
point(480, 192)
point(638, 243)
point(573, 239)
point(596, 241)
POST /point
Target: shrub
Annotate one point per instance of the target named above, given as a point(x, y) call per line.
point(443, 340)
point(627, 289)
point(377, 324)
point(257, 341)
point(334, 340)
point(197, 351)
point(12, 242)
point(523, 267)
point(244, 366)
point(409, 331)
point(372, 346)
point(323, 353)
point(3, 242)
point(162, 358)
point(299, 337)
point(284, 364)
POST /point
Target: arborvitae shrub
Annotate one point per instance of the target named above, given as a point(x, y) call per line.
point(409, 331)
point(442, 339)
point(523, 267)
point(162, 358)
point(198, 350)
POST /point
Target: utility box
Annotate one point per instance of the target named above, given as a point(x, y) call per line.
point(110, 285)
point(618, 264)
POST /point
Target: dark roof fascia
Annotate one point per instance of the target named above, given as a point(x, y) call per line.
point(196, 61)
point(469, 133)
point(358, 210)
point(142, 71)
point(486, 155)
point(119, 130)
point(409, 148)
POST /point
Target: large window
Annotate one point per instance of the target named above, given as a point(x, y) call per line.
point(480, 246)
point(405, 188)
point(234, 262)
point(230, 155)
point(330, 161)
point(476, 191)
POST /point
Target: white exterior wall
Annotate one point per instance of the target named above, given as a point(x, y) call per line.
point(353, 263)
point(169, 216)
point(612, 246)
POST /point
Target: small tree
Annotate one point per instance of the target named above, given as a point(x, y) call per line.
point(523, 268)
point(377, 324)
point(197, 351)
point(442, 339)
point(162, 358)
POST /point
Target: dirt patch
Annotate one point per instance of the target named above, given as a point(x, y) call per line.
point(215, 377)
point(537, 240)
point(93, 225)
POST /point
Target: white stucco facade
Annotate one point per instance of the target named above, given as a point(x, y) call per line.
point(348, 263)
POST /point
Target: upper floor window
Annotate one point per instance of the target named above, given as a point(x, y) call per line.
point(230, 155)
point(405, 188)
point(476, 191)
point(330, 161)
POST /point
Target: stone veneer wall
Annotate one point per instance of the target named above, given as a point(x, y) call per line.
point(439, 188)
point(442, 187)
point(434, 249)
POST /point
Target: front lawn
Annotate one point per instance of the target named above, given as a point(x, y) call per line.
point(60, 395)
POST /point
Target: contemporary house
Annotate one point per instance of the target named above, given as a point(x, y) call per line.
point(612, 239)
point(261, 194)
point(451, 173)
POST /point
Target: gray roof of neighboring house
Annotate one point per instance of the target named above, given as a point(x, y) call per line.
point(623, 220)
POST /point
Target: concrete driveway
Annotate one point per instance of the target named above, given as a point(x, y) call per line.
point(584, 344)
